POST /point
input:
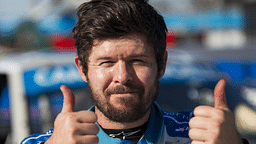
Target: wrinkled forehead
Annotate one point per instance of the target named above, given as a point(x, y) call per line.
point(134, 43)
point(130, 37)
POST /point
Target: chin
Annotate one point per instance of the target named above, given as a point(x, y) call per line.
point(124, 101)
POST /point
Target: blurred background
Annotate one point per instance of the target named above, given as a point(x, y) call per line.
point(207, 40)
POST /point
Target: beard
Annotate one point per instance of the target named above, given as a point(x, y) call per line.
point(132, 111)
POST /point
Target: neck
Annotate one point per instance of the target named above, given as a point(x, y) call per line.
point(106, 123)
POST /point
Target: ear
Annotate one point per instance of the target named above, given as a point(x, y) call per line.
point(80, 68)
point(161, 72)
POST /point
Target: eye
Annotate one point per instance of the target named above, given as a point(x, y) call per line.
point(107, 63)
point(137, 61)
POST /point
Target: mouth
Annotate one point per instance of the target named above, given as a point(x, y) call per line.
point(125, 94)
point(119, 92)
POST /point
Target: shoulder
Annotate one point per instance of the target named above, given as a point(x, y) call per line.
point(176, 123)
point(38, 138)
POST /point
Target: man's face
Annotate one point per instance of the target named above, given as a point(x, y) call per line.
point(123, 77)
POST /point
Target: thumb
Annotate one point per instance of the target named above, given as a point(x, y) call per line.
point(68, 99)
point(220, 95)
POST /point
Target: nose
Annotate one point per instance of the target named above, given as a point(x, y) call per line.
point(122, 73)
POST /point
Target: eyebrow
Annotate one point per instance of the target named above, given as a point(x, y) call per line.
point(104, 58)
point(131, 56)
point(138, 55)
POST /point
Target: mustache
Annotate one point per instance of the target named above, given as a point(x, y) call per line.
point(124, 89)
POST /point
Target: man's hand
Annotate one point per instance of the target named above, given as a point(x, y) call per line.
point(214, 125)
point(72, 127)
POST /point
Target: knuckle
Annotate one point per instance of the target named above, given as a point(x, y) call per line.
point(92, 139)
point(197, 109)
point(191, 133)
point(215, 139)
point(215, 135)
point(89, 116)
point(97, 129)
point(191, 121)
point(95, 139)
point(93, 129)
point(70, 117)
point(216, 125)
point(220, 113)
point(92, 115)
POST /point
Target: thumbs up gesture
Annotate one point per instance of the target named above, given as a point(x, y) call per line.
point(72, 127)
point(214, 125)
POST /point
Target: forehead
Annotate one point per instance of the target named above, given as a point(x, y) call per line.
point(124, 46)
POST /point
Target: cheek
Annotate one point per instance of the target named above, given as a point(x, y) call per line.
point(99, 78)
point(147, 76)
point(99, 74)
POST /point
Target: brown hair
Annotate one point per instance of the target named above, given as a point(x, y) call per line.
point(101, 19)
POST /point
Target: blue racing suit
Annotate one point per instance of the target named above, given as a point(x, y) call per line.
point(164, 128)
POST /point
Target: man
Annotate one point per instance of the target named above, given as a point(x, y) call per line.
point(121, 55)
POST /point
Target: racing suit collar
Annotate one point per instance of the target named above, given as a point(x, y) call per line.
point(151, 136)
